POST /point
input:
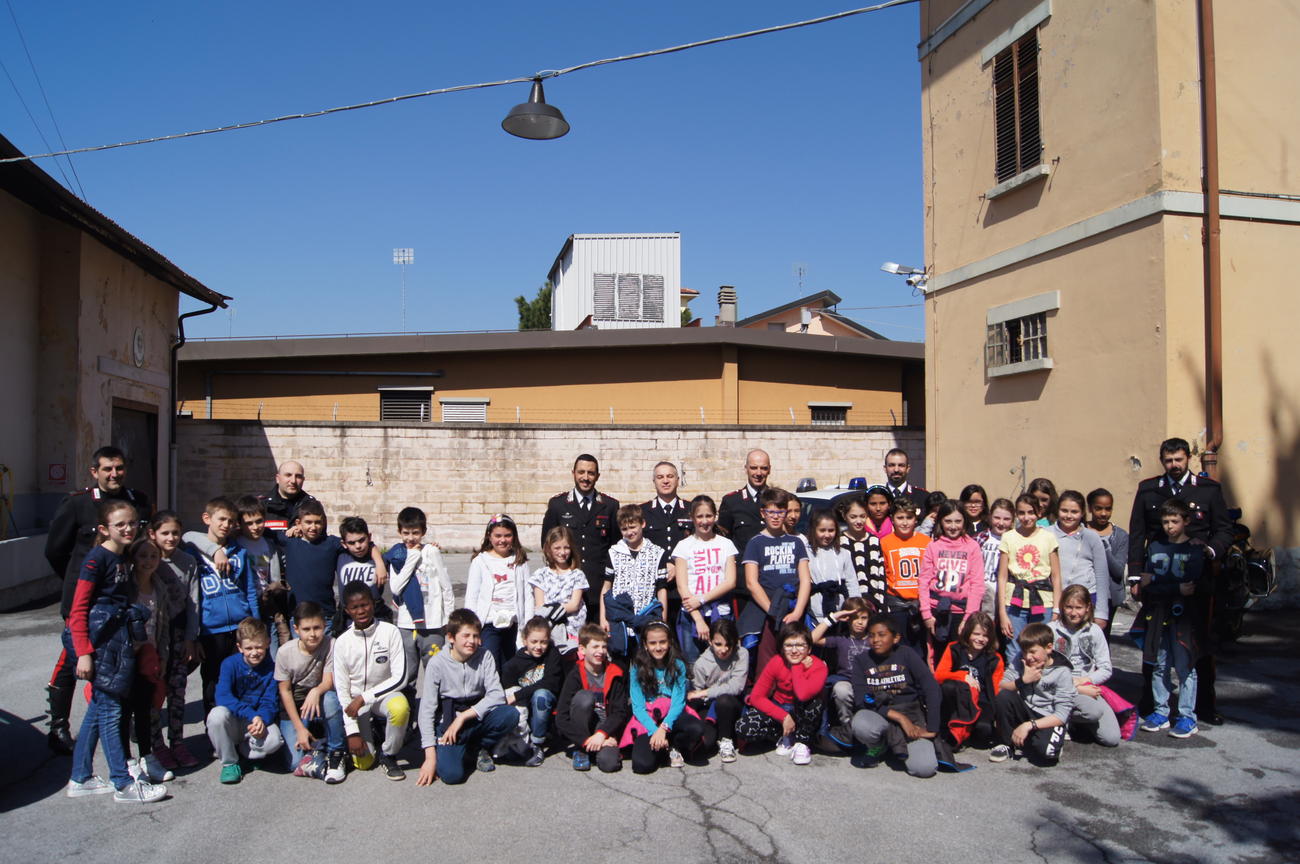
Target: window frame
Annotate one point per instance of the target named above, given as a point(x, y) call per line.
point(1016, 335)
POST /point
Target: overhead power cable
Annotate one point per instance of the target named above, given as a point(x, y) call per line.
point(548, 73)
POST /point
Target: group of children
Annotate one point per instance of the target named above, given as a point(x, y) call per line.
point(882, 633)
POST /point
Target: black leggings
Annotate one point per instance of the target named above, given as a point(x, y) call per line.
point(687, 735)
point(757, 727)
point(136, 710)
point(1042, 746)
point(726, 711)
point(216, 648)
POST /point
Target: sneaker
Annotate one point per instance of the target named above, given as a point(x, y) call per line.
point(231, 773)
point(535, 758)
point(785, 745)
point(390, 768)
point(183, 756)
point(1000, 753)
point(841, 735)
point(485, 763)
point(334, 770)
point(1184, 727)
point(163, 756)
point(675, 759)
point(155, 771)
point(1154, 722)
point(727, 750)
point(801, 755)
point(862, 758)
point(93, 785)
point(581, 760)
point(140, 792)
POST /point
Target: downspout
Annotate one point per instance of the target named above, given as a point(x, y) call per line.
point(1213, 265)
point(172, 393)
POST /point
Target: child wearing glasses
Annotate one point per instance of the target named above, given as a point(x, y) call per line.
point(778, 579)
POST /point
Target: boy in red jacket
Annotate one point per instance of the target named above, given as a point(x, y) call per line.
point(786, 703)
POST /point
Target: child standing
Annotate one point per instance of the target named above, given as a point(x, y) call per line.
point(532, 680)
point(421, 590)
point(165, 531)
point(969, 674)
point(933, 501)
point(897, 701)
point(718, 679)
point(1002, 515)
point(497, 590)
point(704, 565)
point(785, 705)
point(830, 567)
point(1083, 555)
point(593, 706)
point(975, 502)
point(163, 597)
point(304, 672)
point(267, 562)
point(1171, 591)
point(1101, 504)
point(369, 674)
point(658, 697)
point(243, 722)
point(1044, 494)
point(778, 579)
point(1080, 639)
point(635, 589)
point(1035, 699)
point(1029, 575)
point(559, 587)
point(952, 578)
point(864, 552)
point(879, 503)
point(311, 557)
point(903, 550)
point(846, 647)
point(99, 636)
point(359, 561)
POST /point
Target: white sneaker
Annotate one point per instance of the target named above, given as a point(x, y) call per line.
point(727, 750)
point(785, 745)
point(93, 785)
point(140, 792)
point(801, 755)
point(154, 770)
point(675, 759)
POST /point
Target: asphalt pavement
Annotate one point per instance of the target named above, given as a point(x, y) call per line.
point(1230, 794)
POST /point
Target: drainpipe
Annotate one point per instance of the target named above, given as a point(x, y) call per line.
point(172, 393)
point(1213, 266)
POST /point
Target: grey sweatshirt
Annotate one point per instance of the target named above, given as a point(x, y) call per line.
point(1086, 650)
point(446, 677)
point(1083, 562)
point(721, 679)
point(1053, 693)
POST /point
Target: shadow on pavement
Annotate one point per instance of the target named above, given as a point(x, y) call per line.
point(29, 772)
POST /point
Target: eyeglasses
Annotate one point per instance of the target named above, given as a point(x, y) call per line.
point(796, 646)
point(773, 512)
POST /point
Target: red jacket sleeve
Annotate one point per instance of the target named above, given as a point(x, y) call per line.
point(761, 696)
point(79, 616)
point(809, 682)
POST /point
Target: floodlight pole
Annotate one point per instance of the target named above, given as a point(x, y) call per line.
point(402, 257)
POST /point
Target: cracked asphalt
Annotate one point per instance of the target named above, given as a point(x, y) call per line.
point(1231, 794)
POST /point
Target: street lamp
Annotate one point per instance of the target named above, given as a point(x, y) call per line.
point(402, 257)
point(535, 119)
point(916, 277)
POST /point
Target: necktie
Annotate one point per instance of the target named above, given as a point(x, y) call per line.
point(586, 505)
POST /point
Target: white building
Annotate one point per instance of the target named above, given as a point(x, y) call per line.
point(617, 281)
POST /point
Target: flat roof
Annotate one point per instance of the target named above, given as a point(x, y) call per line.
point(537, 340)
point(31, 185)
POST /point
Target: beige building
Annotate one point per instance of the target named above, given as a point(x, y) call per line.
point(1064, 217)
point(814, 314)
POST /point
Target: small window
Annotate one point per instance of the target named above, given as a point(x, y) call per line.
point(830, 413)
point(1018, 137)
point(410, 405)
point(1017, 340)
point(776, 325)
point(464, 410)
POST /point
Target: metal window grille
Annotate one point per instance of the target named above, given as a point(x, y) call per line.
point(603, 306)
point(1016, 340)
point(1018, 135)
point(828, 416)
point(405, 405)
point(652, 298)
point(464, 412)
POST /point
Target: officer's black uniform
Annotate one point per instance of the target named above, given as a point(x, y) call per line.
point(595, 530)
point(281, 511)
point(666, 526)
point(71, 537)
point(1211, 524)
point(915, 494)
point(739, 519)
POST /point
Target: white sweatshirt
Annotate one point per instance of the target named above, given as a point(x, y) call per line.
point(369, 663)
point(435, 584)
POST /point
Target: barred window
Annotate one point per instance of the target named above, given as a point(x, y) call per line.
point(1016, 340)
point(830, 413)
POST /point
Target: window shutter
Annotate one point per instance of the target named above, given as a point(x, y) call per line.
point(602, 297)
point(405, 405)
point(1017, 135)
point(629, 296)
point(464, 412)
point(1031, 142)
point(652, 298)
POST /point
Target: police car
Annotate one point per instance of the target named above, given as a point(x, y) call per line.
point(814, 500)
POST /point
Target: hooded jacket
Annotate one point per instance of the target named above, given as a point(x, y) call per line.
point(1053, 693)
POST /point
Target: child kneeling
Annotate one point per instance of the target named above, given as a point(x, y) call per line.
point(369, 674)
point(1035, 700)
point(304, 670)
point(897, 700)
point(785, 705)
point(463, 711)
point(532, 680)
point(658, 697)
point(593, 706)
point(242, 723)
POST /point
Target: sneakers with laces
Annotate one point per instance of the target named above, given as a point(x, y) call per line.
point(581, 760)
point(334, 770)
point(184, 758)
point(1184, 727)
point(1000, 753)
point(800, 754)
point(154, 770)
point(535, 758)
point(727, 750)
point(1154, 722)
point(675, 759)
point(93, 785)
point(785, 745)
point(389, 766)
point(231, 773)
point(140, 792)
point(485, 763)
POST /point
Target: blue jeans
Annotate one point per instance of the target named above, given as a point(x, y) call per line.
point(1020, 619)
point(539, 716)
point(102, 724)
point(455, 760)
point(329, 721)
point(500, 642)
point(1162, 683)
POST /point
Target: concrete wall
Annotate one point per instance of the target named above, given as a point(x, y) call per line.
point(461, 476)
point(19, 333)
point(25, 575)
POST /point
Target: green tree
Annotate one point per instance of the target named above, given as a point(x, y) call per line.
point(687, 317)
point(535, 314)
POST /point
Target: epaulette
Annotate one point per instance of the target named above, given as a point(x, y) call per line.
point(85, 491)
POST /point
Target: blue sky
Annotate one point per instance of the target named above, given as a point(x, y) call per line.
point(800, 148)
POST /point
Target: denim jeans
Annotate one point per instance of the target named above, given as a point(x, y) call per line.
point(539, 714)
point(329, 721)
point(102, 724)
point(1020, 619)
point(500, 642)
point(1162, 683)
point(455, 760)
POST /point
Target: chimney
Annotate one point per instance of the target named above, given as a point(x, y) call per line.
point(726, 306)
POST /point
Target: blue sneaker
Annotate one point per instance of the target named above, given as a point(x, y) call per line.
point(1154, 722)
point(581, 761)
point(1184, 727)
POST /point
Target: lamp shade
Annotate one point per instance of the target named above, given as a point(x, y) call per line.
point(535, 119)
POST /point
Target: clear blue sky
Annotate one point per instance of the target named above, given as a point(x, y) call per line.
point(800, 148)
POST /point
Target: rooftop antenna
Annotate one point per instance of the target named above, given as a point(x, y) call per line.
point(230, 320)
point(402, 257)
point(800, 270)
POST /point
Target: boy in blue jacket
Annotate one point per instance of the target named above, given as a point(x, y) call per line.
point(243, 723)
point(224, 596)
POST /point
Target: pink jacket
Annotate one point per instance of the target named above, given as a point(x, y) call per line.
point(953, 569)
